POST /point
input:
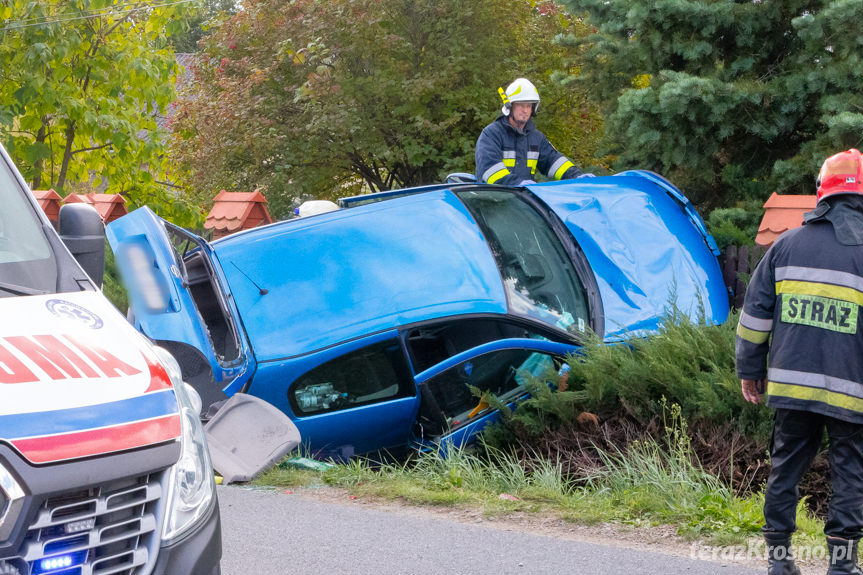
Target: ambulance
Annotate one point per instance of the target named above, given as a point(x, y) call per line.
point(104, 467)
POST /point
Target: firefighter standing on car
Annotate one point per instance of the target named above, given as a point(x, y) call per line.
point(806, 293)
point(511, 150)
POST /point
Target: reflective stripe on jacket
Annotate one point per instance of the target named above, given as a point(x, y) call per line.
point(803, 306)
point(506, 156)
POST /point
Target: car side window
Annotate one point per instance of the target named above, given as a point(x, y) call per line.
point(369, 375)
point(501, 373)
point(26, 258)
point(433, 343)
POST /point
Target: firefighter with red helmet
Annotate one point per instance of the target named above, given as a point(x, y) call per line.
point(511, 150)
point(803, 307)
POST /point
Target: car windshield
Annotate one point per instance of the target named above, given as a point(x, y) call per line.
point(27, 264)
point(538, 274)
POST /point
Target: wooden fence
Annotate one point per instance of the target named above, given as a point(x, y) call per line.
point(737, 264)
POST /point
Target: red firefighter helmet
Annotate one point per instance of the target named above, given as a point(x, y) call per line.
point(841, 173)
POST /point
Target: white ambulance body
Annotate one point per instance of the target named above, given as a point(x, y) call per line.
point(104, 467)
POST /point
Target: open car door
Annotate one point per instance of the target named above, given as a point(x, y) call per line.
point(177, 297)
point(451, 412)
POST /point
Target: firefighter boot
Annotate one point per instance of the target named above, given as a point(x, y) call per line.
point(842, 556)
point(780, 560)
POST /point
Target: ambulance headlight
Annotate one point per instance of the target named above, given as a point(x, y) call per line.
point(191, 488)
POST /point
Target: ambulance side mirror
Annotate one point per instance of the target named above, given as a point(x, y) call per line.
point(83, 232)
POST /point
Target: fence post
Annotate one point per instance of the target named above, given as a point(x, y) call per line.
point(729, 270)
point(742, 269)
point(738, 262)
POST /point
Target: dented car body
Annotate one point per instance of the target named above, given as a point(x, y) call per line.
point(369, 325)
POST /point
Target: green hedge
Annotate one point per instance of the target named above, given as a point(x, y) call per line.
point(686, 363)
point(619, 394)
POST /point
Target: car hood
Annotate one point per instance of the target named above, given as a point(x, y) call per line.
point(80, 381)
point(362, 270)
point(646, 245)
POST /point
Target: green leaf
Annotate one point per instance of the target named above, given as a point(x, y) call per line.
point(36, 152)
point(90, 76)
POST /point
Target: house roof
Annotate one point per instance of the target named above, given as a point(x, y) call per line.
point(109, 206)
point(185, 79)
point(49, 201)
point(782, 213)
point(235, 211)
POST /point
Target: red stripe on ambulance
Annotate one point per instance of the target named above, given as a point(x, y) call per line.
point(52, 448)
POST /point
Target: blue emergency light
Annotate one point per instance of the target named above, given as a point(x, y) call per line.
point(60, 564)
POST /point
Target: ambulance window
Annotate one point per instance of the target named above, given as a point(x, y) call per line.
point(26, 259)
point(369, 375)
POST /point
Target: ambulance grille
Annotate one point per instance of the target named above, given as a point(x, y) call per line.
point(110, 529)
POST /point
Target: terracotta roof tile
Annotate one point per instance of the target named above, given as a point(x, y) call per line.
point(790, 201)
point(46, 195)
point(77, 199)
point(235, 211)
point(109, 206)
point(49, 201)
point(782, 213)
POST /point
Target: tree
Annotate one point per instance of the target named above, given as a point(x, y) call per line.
point(321, 98)
point(81, 84)
point(204, 14)
point(732, 100)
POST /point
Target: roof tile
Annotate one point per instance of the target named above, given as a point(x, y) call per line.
point(109, 206)
point(49, 201)
point(235, 211)
point(782, 213)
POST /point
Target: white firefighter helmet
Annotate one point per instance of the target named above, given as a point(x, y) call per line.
point(521, 90)
point(315, 207)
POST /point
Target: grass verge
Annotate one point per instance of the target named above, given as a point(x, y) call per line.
point(646, 484)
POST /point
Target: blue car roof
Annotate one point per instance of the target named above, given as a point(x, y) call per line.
point(361, 270)
point(646, 245)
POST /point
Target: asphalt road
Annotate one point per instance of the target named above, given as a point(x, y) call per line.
point(271, 533)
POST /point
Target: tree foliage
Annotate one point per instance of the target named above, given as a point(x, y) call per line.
point(204, 14)
point(730, 99)
point(319, 98)
point(81, 83)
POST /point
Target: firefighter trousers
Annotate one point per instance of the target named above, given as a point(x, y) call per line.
point(797, 437)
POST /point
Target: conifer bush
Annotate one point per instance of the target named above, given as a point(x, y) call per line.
point(618, 394)
point(686, 363)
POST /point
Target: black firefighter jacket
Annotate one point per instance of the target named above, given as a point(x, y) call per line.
point(505, 155)
point(803, 306)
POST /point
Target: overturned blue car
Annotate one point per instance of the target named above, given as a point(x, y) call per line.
point(374, 326)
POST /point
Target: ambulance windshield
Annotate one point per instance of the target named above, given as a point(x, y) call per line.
point(27, 263)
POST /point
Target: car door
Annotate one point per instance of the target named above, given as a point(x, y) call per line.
point(451, 413)
point(349, 399)
point(177, 297)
